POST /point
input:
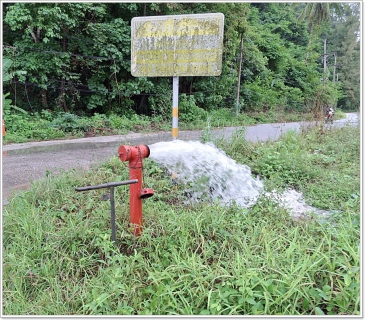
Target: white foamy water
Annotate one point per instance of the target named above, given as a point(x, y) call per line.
point(294, 202)
point(210, 174)
point(208, 171)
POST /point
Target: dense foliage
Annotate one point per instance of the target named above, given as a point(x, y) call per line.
point(75, 57)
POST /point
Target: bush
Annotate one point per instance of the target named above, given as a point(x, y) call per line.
point(68, 122)
point(22, 128)
point(189, 111)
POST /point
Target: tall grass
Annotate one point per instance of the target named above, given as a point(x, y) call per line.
point(58, 257)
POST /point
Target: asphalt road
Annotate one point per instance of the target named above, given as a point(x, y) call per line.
point(26, 162)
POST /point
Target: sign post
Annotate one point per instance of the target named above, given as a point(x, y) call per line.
point(177, 45)
point(175, 107)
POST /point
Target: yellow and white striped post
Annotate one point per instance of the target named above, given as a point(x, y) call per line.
point(175, 119)
point(175, 107)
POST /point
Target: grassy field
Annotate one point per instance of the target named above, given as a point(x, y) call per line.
point(196, 259)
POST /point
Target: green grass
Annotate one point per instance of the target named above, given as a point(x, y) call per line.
point(324, 165)
point(47, 125)
point(58, 258)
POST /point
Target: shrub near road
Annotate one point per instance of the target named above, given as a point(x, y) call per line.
point(58, 257)
point(51, 125)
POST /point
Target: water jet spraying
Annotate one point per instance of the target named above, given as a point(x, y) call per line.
point(207, 172)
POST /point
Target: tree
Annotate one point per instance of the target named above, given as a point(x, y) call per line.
point(236, 29)
point(275, 74)
point(344, 40)
point(46, 27)
point(77, 58)
point(77, 53)
point(315, 13)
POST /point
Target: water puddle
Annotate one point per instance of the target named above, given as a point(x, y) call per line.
point(210, 174)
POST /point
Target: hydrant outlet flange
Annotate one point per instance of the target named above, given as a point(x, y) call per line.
point(146, 193)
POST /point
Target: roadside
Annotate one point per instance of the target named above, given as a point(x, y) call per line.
point(26, 162)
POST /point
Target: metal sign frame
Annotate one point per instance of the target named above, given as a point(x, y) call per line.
point(177, 45)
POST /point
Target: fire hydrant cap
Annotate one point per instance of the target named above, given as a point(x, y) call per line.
point(148, 150)
point(124, 153)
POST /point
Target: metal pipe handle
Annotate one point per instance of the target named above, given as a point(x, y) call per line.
point(107, 185)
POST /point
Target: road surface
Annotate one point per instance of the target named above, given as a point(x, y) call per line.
point(26, 162)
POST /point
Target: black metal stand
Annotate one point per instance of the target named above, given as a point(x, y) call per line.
point(111, 186)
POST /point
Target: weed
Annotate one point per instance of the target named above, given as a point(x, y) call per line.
point(196, 259)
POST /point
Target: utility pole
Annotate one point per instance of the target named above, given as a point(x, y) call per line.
point(334, 67)
point(324, 61)
point(239, 76)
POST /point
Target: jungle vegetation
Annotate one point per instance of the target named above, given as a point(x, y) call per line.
point(72, 60)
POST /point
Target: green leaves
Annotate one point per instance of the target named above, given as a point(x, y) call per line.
point(6, 66)
point(76, 57)
point(188, 110)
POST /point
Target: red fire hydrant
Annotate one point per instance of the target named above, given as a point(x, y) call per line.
point(135, 155)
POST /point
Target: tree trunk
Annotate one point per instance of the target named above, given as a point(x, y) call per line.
point(309, 45)
point(324, 61)
point(44, 98)
point(61, 97)
point(334, 68)
point(239, 76)
point(140, 105)
point(36, 35)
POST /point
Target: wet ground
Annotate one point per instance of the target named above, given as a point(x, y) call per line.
point(26, 162)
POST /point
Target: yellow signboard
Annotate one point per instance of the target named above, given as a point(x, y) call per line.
point(181, 45)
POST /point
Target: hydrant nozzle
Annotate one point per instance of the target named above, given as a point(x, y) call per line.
point(134, 155)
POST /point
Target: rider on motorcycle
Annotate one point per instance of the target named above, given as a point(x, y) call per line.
point(329, 113)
